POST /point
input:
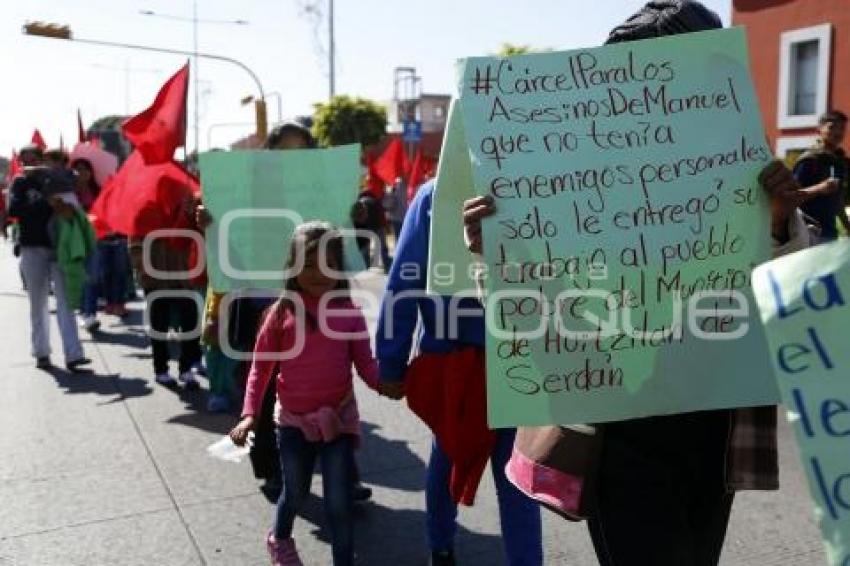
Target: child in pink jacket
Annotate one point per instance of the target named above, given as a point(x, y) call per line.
point(313, 334)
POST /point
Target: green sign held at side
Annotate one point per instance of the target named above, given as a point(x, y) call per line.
point(803, 300)
point(258, 197)
point(625, 181)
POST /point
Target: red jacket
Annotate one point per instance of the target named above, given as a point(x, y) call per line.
point(448, 392)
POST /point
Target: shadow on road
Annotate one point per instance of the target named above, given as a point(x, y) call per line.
point(380, 457)
point(99, 384)
point(130, 337)
point(387, 535)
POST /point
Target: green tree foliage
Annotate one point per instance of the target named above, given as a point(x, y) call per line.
point(510, 49)
point(346, 120)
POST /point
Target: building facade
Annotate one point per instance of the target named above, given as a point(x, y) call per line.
point(800, 58)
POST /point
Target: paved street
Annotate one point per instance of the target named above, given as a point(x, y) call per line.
point(109, 468)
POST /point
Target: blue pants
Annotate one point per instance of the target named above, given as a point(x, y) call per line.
point(91, 289)
point(114, 269)
point(297, 459)
point(519, 515)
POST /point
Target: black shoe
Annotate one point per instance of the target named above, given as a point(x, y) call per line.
point(362, 493)
point(43, 363)
point(74, 366)
point(443, 558)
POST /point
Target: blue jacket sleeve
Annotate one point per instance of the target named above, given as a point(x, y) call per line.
point(806, 173)
point(399, 315)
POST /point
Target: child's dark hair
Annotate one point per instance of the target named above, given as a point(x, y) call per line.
point(310, 237)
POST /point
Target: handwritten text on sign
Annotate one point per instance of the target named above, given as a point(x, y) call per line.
point(629, 220)
point(803, 302)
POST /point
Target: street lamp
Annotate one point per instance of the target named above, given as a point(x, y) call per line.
point(195, 21)
point(54, 31)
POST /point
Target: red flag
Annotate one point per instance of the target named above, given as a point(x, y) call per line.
point(422, 167)
point(373, 182)
point(15, 167)
point(141, 198)
point(392, 164)
point(161, 129)
point(38, 140)
point(81, 131)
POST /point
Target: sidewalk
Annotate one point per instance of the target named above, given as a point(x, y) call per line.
point(111, 469)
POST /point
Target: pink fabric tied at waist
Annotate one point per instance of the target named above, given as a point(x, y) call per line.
point(553, 488)
point(324, 424)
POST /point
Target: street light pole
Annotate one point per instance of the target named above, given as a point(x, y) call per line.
point(195, 21)
point(53, 31)
point(331, 50)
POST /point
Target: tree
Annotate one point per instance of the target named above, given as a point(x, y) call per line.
point(346, 120)
point(510, 49)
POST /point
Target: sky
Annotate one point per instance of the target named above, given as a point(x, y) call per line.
point(47, 80)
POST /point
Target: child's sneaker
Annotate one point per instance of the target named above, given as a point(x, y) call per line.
point(189, 380)
point(283, 553)
point(218, 404)
point(166, 380)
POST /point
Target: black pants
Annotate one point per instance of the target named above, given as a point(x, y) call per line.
point(660, 495)
point(185, 315)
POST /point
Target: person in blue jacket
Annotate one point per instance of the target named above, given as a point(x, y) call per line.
point(520, 516)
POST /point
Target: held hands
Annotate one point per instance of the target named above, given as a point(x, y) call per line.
point(239, 434)
point(474, 210)
point(393, 390)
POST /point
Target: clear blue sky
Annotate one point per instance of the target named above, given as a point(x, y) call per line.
point(46, 80)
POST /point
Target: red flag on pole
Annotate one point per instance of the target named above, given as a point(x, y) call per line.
point(38, 140)
point(161, 129)
point(392, 164)
point(141, 198)
point(421, 168)
point(81, 131)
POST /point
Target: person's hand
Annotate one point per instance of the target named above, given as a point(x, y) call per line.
point(392, 389)
point(239, 434)
point(203, 218)
point(474, 210)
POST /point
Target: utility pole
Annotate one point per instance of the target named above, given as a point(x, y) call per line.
point(331, 51)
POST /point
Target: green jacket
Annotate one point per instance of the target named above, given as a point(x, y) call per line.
point(75, 241)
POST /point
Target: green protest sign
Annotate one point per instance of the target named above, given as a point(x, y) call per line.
point(803, 303)
point(449, 263)
point(256, 199)
point(629, 217)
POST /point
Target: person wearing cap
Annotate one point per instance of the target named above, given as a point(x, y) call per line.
point(29, 201)
point(665, 484)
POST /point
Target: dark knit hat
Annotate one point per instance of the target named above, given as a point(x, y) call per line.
point(665, 17)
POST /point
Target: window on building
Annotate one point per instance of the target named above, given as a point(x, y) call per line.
point(804, 76)
point(439, 112)
point(804, 62)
